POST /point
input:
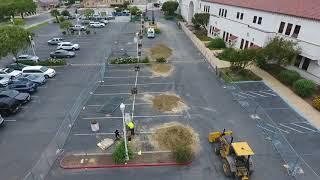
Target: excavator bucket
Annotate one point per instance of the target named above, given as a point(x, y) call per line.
point(215, 135)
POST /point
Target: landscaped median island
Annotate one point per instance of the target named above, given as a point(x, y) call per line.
point(169, 144)
point(128, 60)
point(48, 62)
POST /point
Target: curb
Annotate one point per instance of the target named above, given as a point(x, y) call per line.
point(125, 165)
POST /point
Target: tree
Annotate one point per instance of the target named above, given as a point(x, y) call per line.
point(65, 25)
point(65, 13)
point(71, 2)
point(169, 7)
point(88, 13)
point(134, 10)
point(25, 6)
point(241, 59)
point(55, 13)
point(201, 19)
point(13, 39)
point(125, 4)
point(281, 51)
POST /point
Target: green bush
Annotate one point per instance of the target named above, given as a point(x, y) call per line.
point(61, 19)
point(161, 60)
point(157, 30)
point(168, 17)
point(202, 35)
point(119, 153)
point(179, 18)
point(48, 62)
point(227, 54)
point(288, 77)
point(183, 154)
point(128, 60)
point(19, 22)
point(316, 102)
point(304, 87)
point(217, 43)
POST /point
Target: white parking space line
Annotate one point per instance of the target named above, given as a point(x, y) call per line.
point(246, 94)
point(265, 129)
point(290, 128)
point(256, 94)
point(112, 94)
point(10, 120)
point(42, 87)
point(111, 85)
point(278, 128)
point(120, 117)
point(268, 93)
point(125, 77)
point(275, 108)
point(240, 95)
point(304, 127)
point(98, 105)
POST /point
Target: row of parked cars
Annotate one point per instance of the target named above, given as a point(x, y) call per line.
point(17, 82)
point(64, 48)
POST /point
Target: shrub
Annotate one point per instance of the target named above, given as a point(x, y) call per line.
point(61, 19)
point(128, 60)
point(304, 87)
point(19, 22)
point(227, 54)
point(217, 43)
point(316, 102)
point(157, 31)
point(167, 17)
point(87, 31)
point(27, 62)
point(161, 60)
point(48, 62)
point(288, 77)
point(119, 153)
point(183, 154)
point(202, 35)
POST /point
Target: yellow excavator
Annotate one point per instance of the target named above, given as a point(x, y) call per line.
point(236, 156)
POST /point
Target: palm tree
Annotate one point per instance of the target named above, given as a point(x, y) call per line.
point(55, 13)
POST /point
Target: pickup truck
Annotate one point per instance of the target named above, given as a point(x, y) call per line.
point(78, 28)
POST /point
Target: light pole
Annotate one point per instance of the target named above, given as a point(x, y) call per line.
point(122, 107)
point(32, 45)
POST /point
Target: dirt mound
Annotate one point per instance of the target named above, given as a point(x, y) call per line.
point(161, 69)
point(160, 51)
point(171, 135)
point(169, 103)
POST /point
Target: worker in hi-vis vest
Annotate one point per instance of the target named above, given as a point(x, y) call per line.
point(131, 127)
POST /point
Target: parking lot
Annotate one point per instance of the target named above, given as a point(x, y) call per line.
point(25, 134)
point(211, 108)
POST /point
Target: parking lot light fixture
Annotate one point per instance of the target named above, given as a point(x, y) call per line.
point(122, 108)
point(32, 45)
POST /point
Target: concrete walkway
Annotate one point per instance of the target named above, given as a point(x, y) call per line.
point(300, 105)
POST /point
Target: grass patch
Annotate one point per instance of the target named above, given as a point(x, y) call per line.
point(246, 75)
point(160, 51)
point(166, 102)
point(202, 35)
point(48, 62)
point(38, 26)
point(128, 60)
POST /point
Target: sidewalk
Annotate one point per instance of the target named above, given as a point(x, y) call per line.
point(301, 106)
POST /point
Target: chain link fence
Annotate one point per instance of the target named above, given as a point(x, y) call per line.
point(55, 147)
point(293, 161)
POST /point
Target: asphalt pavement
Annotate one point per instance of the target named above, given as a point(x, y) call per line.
point(25, 135)
point(211, 108)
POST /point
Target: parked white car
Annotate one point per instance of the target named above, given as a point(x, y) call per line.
point(104, 21)
point(68, 46)
point(4, 81)
point(27, 57)
point(96, 24)
point(39, 70)
point(9, 73)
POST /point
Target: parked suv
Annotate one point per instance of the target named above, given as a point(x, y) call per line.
point(96, 24)
point(26, 87)
point(9, 106)
point(55, 41)
point(9, 73)
point(39, 70)
point(68, 46)
point(27, 57)
point(78, 28)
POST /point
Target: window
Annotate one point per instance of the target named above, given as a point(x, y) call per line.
point(251, 44)
point(238, 15)
point(282, 24)
point(254, 19)
point(224, 34)
point(220, 12)
point(259, 20)
point(227, 37)
point(247, 44)
point(288, 30)
point(241, 16)
point(296, 31)
point(225, 13)
point(210, 29)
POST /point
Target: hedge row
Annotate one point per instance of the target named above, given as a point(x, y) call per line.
point(49, 62)
point(128, 60)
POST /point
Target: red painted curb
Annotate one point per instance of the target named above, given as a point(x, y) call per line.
point(125, 165)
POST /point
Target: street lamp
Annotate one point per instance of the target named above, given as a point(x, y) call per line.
point(32, 45)
point(122, 107)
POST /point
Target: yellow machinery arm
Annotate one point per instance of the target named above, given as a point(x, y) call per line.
point(213, 137)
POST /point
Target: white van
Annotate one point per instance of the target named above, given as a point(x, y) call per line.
point(150, 33)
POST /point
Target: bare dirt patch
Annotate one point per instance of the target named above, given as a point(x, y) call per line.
point(170, 136)
point(167, 102)
point(164, 70)
point(160, 51)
